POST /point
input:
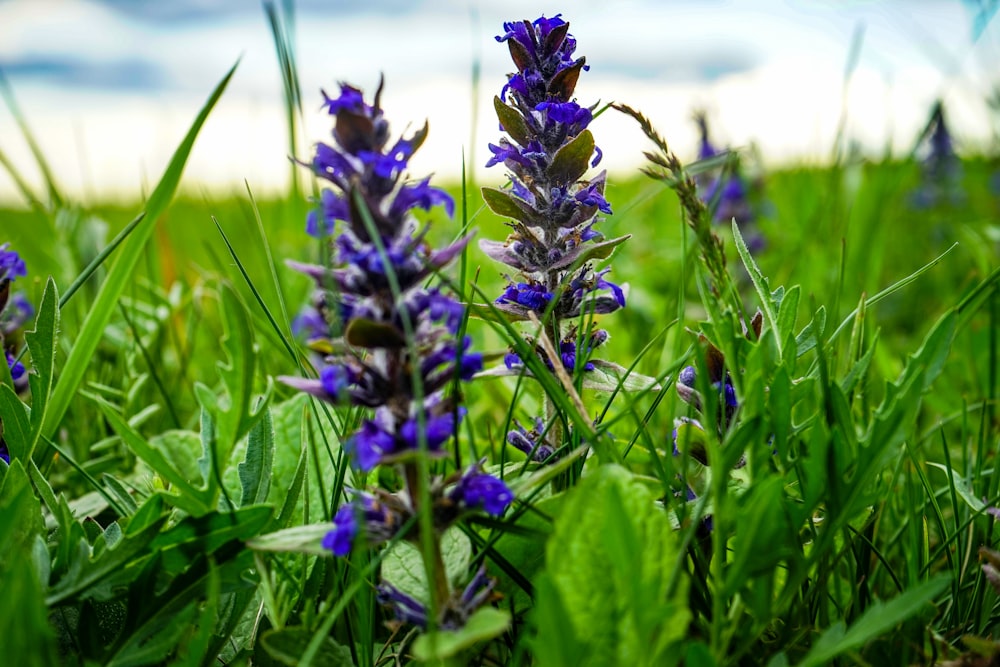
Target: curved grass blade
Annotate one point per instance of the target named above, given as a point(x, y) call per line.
point(104, 305)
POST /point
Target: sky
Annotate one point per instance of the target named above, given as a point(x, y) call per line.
point(109, 87)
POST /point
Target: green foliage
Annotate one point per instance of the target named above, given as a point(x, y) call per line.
point(612, 562)
point(176, 515)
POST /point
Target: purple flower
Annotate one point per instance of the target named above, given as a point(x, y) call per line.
point(310, 324)
point(365, 515)
point(404, 607)
point(4, 452)
point(531, 295)
point(11, 265)
point(16, 367)
point(370, 445)
point(479, 490)
point(532, 442)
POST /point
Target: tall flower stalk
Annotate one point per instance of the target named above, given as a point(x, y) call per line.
point(397, 347)
point(552, 210)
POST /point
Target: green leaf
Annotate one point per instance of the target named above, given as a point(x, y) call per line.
point(255, 471)
point(300, 539)
point(371, 334)
point(486, 623)
point(760, 285)
point(403, 566)
point(571, 161)
point(87, 571)
point(878, 619)
point(963, 487)
point(787, 311)
point(91, 332)
point(42, 343)
point(512, 121)
point(187, 497)
point(16, 426)
point(505, 205)
point(612, 559)
point(288, 644)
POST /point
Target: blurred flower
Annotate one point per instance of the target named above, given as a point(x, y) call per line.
point(726, 194)
point(11, 265)
point(477, 490)
point(941, 168)
point(365, 515)
point(532, 443)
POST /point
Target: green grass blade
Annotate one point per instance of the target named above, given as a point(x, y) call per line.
point(106, 301)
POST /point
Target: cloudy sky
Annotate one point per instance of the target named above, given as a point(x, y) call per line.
point(109, 87)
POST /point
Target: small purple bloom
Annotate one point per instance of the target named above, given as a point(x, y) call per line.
point(436, 430)
point(4, 452)
point(11, 265)
point(479, 490)
point(370, 445)
point(404, 607)
point(531, 442)
point(16, 367)
point(364, 515)
point(531, 295)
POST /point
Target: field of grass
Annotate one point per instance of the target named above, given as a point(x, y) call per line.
point(167, 498)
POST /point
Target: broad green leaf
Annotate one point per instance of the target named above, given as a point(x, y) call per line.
point(403, 566)
point(512, 121)
point(255, 471)
point(485, 624)
point(86, 572)
point(16, 426)
point(119, 276)
point(760, 285)
point(611, 558)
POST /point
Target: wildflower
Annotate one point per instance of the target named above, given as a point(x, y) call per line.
point(11, 265)
point(398, 348)
point(941, 168)
point(454, 613)
point(727, 194)
point(531, 442)
point(478, 490)
point(365, 515)
point(552, 210)
point(382, 261)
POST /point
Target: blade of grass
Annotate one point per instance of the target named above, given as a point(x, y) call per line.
point(91, 332)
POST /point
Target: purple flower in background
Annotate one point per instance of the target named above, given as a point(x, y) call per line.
point(940, 167)
point(11, 265)
point(16, 367)
point(725, 193)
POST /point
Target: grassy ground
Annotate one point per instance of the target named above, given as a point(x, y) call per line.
point(851, 535)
